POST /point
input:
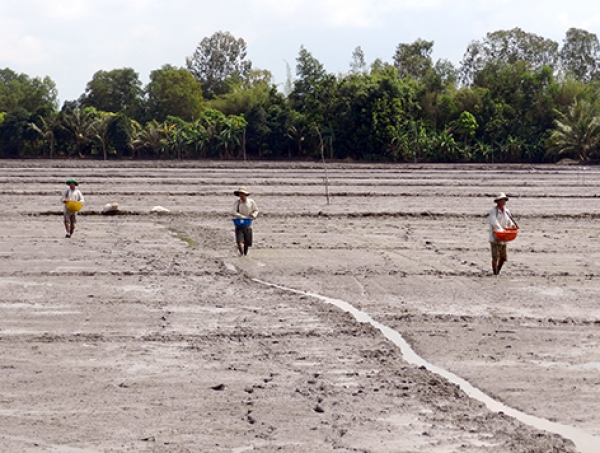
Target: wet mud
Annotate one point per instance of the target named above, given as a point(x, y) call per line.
point(146, 331)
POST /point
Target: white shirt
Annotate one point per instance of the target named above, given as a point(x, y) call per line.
point(498, 221)
point(74, 195)
point(247, 209)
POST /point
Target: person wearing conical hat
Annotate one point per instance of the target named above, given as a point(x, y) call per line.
point(499, 218)
point(244, 208)
point(71, 194)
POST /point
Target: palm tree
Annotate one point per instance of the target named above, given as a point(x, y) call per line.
point(179, 140)
point(577, 132)
point(400, 147)
point(211, 121)
point(419, 139)
point(328, 136)
point(79, 123)
point(133, 130)
point(483, 151)
point(230, 135)
point(197, 138)
point(168, 143)
point(513, 148)
point(46, 130)
point(446, 148)
point(151, 137)
point(100, 128)
point(297, 131)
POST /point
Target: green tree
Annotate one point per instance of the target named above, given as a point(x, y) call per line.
point(297, 131)
point(179, 139)
point(268, 126)
point(443, 148)
point(230, 135)
point(174, 92)
point(116, 91)
point(154, 139)
point(45, 127)
point(121, 133)
point(100, 130)
point(514, 101)
point(580, 55)
point(313, 95)
point(196, 138)
point(441, 78)
point(512, 149)
point(466, 126)
point(168, 148)
point(147, 139)
point(211, 122)
point(358, 65)
point(78, 122)
point(569, 90)
point(217, 61)
point(371, 113)
point(243, 97)
point(420, 140)
point(577, 132)
point(13, 133)
point(414, 60)
point(509, 47)
point(483, 152)
point(22, 91)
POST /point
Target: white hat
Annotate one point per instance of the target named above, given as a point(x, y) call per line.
point(501, 196)
point(241, 190)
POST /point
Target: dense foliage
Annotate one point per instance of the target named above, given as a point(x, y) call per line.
point(515, 97)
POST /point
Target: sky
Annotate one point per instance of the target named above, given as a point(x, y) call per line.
point(70, 40)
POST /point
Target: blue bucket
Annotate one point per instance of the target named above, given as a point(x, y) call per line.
point(242, 223)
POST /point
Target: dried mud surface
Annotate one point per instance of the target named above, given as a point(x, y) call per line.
point(148, 333)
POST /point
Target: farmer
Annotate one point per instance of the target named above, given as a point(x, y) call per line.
point(244, 208)
point(500, 218)
point(71, 194)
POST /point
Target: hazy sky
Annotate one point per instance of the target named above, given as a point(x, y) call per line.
point(69, 40)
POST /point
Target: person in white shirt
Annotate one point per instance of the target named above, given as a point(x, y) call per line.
point(244, 208)
point(71, 194)
point(500, 218)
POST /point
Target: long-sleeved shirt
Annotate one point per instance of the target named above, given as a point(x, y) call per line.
point(498, 221)
point(247, 209)
point(74, 195)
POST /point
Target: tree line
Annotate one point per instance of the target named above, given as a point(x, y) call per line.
point(515, 97)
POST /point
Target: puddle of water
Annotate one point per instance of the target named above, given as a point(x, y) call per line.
point(65, 449)
point(25, 284)
point(585, 366)
point(585, 443)
point(242, 449)
point(230, 267)
point(55, 448)
point(592, 366)
point(140, 288)
point(553, 291)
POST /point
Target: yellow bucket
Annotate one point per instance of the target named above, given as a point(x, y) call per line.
point(74, 206)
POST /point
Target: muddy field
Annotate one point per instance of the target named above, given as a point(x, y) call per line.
point(148, 333)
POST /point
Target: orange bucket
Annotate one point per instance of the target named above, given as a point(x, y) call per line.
point(507, 234)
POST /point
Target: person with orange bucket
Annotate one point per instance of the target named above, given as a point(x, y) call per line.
point(73, 201)
point(502, 230)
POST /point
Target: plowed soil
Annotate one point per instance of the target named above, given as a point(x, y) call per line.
point(147, 332)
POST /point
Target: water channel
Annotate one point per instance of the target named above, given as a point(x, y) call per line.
point(585, 442)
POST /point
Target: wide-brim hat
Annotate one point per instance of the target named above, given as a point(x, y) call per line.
point(501, 196)
point(241, 190)
point(72, 181)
